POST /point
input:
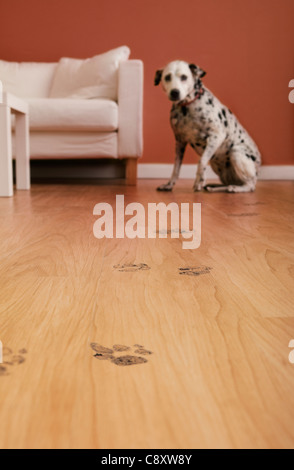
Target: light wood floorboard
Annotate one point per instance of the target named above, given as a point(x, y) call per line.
point(219, 374)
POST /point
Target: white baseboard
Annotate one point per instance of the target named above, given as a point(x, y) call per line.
point(164, 170)
point(276, 172)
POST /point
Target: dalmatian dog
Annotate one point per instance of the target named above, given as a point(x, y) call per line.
point(199, 119)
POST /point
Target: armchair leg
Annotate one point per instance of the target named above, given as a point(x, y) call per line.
point(131, 171)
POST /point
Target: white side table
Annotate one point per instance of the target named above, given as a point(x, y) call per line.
point(11, 104)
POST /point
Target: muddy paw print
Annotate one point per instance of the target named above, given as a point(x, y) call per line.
point(177, 231)
point(244, 214)
point(10, 359)
point(129, 267)
point(195, 270)
point(258, 203)
point(112, 355)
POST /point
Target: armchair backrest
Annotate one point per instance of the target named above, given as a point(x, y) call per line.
point(27, 79)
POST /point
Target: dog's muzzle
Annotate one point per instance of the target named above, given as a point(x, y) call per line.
point(174, 95)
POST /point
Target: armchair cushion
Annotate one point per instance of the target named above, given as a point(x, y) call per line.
point(50, 114)
point(96, 77)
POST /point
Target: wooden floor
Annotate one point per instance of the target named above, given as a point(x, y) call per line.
point(219, 375)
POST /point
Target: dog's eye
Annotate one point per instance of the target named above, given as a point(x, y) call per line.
point(167, 78)
point(184, 78)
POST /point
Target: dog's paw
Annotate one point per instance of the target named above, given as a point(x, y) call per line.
point(231, 189)
point(165, 187)
point(198, 186)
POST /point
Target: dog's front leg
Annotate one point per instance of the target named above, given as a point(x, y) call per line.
point(212, 145)
point(180, 150)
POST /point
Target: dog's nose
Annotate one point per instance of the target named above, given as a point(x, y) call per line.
point(174, 94)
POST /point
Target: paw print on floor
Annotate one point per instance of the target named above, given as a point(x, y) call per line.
point(10, 359)
point(113, 355)
point(259, 203)
point(243, 214)
point(177, 231)
point(194, 270)
point(129, 267)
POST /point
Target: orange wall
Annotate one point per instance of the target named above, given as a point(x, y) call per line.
point(246, 47)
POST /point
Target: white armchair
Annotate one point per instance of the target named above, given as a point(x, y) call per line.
point(88, 108)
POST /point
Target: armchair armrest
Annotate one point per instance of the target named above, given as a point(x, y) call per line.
point(130, 109)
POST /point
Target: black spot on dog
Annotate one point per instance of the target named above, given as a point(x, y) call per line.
point(184, 111)
point(158, 76)
point(226, 123)
point(198, 85)
point(210, 102)
point(251, 156)
point(220, 116)
point(224, 113)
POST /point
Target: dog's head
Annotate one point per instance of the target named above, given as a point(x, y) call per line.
point(179, 79)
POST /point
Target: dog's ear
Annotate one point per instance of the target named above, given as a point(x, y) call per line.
point(158, 76)
point(197, 71)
